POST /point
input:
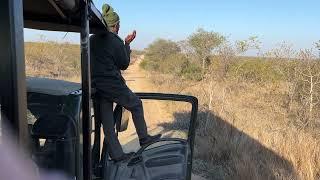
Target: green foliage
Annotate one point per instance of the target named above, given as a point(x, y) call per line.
point(255, 70)
point(191, 71)
point(149, 65)
point(144, 64)
point(203, 43)
point(164, 56)
point(197, 60)
point(161, 49)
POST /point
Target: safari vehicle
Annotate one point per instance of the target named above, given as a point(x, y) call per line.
point(54, 118)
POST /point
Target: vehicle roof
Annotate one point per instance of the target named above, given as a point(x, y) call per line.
point(52, 86)
point(60, 15)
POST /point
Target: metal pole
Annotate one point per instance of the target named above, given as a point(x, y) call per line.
point(86, 90)
point(12, 70)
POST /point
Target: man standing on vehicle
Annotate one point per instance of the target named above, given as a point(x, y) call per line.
point(109, 55)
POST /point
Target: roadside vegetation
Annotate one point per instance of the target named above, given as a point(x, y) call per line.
point(56, 60)
point(53, 60)
point(259, 116)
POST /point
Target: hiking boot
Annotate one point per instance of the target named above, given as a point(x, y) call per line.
point(124, 157)
point(149, 139)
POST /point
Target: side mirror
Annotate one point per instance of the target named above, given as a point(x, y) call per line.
point(121, 117)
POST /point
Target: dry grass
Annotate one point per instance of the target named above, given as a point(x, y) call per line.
point(53, 60)
point(56, 60)
point(248, 133)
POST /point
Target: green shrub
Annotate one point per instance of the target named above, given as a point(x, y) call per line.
point(149, 65)
point(255, 70)
point(144, 64)
point(173, 63)
point(161, 49)
point(191, 71)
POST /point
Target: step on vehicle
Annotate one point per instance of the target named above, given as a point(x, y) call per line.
point(56, 117)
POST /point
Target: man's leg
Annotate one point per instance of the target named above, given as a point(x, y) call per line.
point(131, 102)
point(105, 113)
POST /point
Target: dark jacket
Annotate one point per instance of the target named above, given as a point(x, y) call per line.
point(109, 55)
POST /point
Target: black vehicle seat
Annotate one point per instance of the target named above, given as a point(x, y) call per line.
point(58, 151)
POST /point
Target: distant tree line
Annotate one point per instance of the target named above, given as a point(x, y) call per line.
point(210, 57)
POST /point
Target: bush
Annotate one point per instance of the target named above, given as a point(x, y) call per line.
point(175, 64)
point(144, 64)
point(149, 65)
point(161, 49)
point(191, 71)
point(255, 70)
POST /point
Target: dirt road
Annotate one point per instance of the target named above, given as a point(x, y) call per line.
point(138, 81)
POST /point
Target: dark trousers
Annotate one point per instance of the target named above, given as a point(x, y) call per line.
point(104, 108)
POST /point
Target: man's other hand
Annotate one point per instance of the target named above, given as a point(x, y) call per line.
point(131, 37)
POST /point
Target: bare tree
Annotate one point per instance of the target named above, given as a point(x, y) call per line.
point(251, 43)
point(310, 80)
point(288, 66)
point(283, 51)
point(317, 45)
point(186, 49)
point(226, 53)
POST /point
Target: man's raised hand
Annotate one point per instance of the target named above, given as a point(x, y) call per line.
point(131, 37)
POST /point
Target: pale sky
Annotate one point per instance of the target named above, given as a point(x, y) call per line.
point(273, 21)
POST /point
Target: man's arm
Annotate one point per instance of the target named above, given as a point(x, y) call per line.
point(128, 49)
point(125, 51)
point(123, 57)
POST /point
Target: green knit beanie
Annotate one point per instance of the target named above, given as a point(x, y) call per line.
point(109, 15)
